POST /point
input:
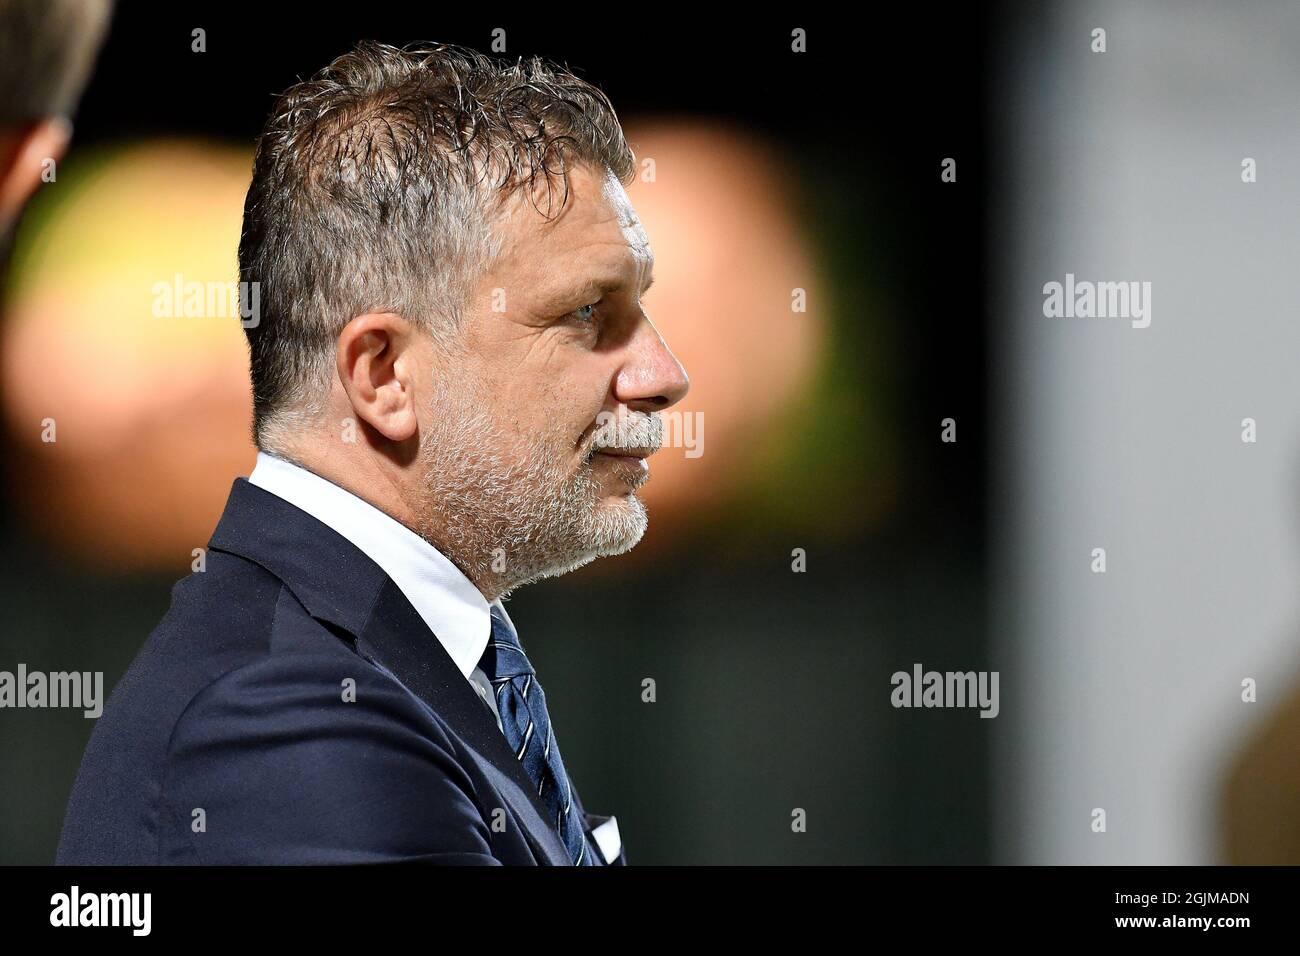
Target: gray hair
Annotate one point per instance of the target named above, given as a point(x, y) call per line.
point(377, 185)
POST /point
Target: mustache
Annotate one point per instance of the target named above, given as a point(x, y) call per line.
point(625, 431)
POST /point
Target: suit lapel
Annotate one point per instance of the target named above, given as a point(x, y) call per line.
point(397, 637)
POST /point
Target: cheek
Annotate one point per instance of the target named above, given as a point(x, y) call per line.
point(576, 398)
point(556, 404)
point(554, 417)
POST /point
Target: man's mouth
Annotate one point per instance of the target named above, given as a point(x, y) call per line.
point(630, 463)
point(630, 453)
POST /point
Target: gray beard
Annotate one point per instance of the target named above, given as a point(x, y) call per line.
point(507, 511)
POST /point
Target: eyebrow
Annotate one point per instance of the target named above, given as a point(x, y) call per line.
point(596, 285)
point(614, 283)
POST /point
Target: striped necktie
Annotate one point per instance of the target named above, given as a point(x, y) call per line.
point(527, 728)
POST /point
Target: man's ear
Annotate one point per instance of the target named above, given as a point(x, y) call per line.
point(378, 361)
point(25, 151)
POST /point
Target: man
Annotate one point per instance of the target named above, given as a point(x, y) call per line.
point(47, 50)
point(455, 390)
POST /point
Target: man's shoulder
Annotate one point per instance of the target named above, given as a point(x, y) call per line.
point(234, 609)
point(248, 731)
point(232, 617)
point(230, 614)
point(235, 641)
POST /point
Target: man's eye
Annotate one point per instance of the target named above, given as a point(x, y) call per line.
point(586, 314)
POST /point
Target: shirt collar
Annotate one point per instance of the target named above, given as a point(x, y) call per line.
point(453, 608)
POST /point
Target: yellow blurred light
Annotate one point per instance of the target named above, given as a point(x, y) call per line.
point(150, 414)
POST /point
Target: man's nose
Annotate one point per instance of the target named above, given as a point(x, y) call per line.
point(652, 379)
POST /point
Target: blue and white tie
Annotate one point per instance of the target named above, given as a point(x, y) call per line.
point(527, 728)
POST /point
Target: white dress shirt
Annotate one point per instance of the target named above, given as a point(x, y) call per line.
point(449, 603)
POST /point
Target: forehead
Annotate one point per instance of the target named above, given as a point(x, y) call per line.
point(597, 231)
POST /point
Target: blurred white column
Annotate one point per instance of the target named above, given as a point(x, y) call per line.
point(1122, 690)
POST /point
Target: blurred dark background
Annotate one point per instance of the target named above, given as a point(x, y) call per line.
point(772, 686)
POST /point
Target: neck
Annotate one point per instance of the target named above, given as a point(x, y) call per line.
point(386, 486)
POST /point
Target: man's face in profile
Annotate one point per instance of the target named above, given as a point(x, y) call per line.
point(547, 409)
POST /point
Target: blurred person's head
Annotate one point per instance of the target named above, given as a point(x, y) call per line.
point(449, 315)
point(47, 49)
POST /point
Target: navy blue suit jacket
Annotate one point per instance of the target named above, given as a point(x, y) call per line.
point(230, 741)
